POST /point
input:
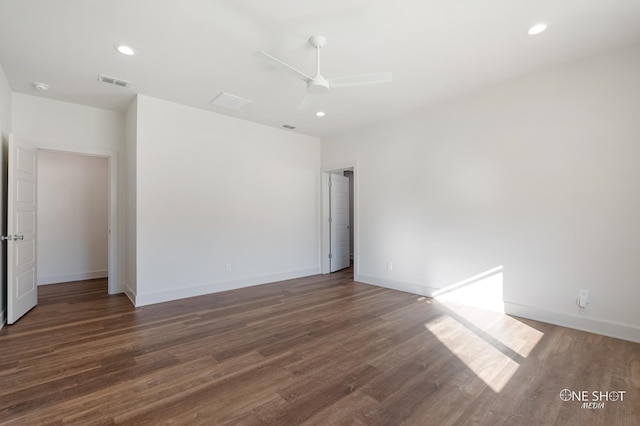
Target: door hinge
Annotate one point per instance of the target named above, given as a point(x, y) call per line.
point(330, 219)
point(330, 256)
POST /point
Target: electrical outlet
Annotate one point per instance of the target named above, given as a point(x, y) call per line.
point(389, 266)
point(227, 267)
point(583, 298)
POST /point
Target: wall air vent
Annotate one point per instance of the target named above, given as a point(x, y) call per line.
point(113, 80)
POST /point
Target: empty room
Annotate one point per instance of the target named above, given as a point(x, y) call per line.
point(243, 212)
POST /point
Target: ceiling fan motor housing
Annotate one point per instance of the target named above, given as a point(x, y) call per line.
point(318, 85)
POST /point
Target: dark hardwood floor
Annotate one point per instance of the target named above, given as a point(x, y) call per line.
point(317, 350)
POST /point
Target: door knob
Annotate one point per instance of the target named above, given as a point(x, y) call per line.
point(11, 237)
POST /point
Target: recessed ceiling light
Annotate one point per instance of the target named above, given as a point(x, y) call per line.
point(320, 113)
point(125, 50)
point(538, 28)
point(41, 87)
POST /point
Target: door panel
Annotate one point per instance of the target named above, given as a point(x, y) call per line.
point(339, 222)
point(22, 291)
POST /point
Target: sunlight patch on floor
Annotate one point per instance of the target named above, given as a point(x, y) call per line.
point(488, 363)
point(518, 336)
point(501, 328)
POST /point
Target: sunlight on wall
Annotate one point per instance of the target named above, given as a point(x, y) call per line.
point(483, 291)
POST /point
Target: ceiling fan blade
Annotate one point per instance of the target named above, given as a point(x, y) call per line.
point(285, 67)
point(307, 102)
point(357, 80)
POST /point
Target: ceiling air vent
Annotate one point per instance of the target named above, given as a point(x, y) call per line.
point(113, 80)
point(229, 101)
point(288, 126)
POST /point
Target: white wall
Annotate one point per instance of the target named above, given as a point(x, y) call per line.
point(214, 190)
point(130, 228)
point(539, 175)
point(349, 175)
point(62, 126)
point(72, 217)
point(5, 129)
point(55, 123)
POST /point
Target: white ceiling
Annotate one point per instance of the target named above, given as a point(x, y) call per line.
point(190, 50)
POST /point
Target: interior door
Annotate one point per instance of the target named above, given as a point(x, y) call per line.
point(22, 291)
point(339, 206)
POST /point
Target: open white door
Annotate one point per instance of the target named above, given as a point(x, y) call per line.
point(22, 291)
point(339, 222)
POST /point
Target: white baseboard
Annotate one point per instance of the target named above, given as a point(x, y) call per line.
point(419, 289)
point(80, 276)
point(591, 325)
point(130, 294)
point(200, 289)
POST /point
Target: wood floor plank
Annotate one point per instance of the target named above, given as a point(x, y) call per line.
point(320, 350)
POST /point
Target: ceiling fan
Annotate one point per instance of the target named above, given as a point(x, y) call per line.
point(318, 84)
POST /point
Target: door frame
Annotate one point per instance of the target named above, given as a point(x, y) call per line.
point(325, 230)
point(113, 231)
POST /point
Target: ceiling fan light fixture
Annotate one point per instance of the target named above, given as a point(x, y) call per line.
point(538, 28)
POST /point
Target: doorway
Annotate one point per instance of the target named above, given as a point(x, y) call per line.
point(72, 219)
point(332, 219)
point(22, 217)
point(113, 230)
